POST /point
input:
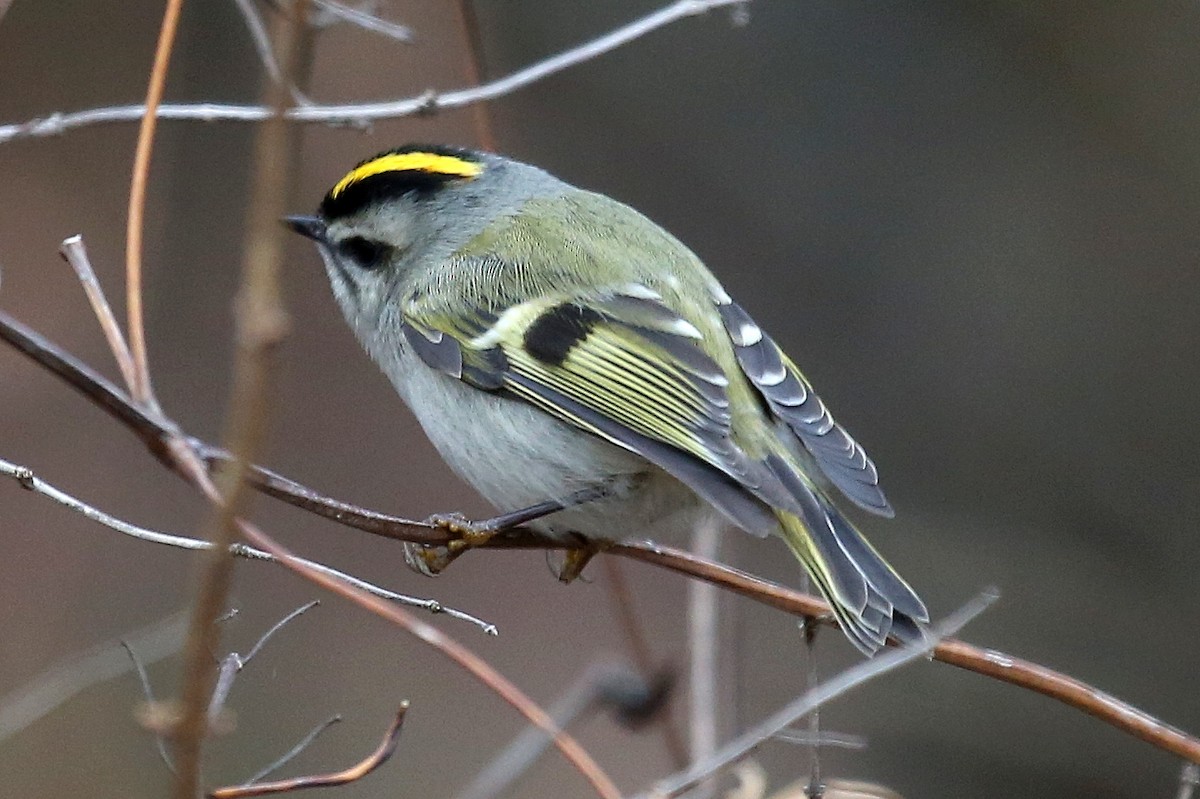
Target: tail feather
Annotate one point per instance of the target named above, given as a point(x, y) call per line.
point(869, 600)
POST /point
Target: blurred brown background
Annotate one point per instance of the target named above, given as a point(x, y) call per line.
point(974, 225)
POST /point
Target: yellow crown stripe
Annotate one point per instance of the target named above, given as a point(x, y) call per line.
point(433, 163)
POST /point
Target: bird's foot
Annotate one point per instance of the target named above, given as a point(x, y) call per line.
point(578, 557)
point(432, 560)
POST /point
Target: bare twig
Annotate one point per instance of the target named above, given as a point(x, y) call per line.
point(1189, 778)
point(29, 480)
point(353, 774)
point(476, 666)
point(485, 137)
point(65, 680)
point(295, 751)
point(141, 389)
point(703, 700)
point(233, 663)
point(75, 254)
point(154, 430)
point(266, 54)
point(329, 11)
point(365, 113)
point(148, 693)
point(782, 719)
point(837, 740)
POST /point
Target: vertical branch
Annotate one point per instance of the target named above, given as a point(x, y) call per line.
point(702, 635)
point(484, 135)
point(143, 392)
point(261, 324)
point(808, 628)
point(639, 649)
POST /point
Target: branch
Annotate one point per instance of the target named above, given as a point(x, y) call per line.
point(261, 325)
point(154, 430)
point(382, 753)
point(30, 481)
point(364, 113)
point(141, 388)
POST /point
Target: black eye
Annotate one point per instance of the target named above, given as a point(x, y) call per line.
point(364, 253)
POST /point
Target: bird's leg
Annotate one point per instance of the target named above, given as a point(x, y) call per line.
point(431, 560)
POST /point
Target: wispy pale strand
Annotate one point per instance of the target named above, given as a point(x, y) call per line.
point(364, 113)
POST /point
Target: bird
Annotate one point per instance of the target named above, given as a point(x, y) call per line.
point(557, 345)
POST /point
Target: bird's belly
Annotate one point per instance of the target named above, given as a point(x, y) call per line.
point(516, 456)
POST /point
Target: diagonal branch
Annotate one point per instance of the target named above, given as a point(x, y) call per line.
point(154, 431)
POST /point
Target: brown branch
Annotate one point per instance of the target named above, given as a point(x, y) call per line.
point(153, 430)
point(261, 325)
point(158, 434)
point(382, 753)
point(143, 393)
point(485, 137)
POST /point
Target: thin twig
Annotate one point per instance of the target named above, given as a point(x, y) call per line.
point(142, 390)
point(29, 480)
point(75, 254)
point(812, 677)
point(340, 12)
point(63, 681)
point(782, 719)
point(1189, 778)
point(148, 693)
point(479, 668)
point(233, 663)
point(365, 113)
point(485, 137)
point(279, 625)
point(836, 740)
point(353, 774)
point(154, 431)
point(266, 54)
point(295, 751)
point(703, 701)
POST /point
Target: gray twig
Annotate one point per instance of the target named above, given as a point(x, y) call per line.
point(266, 53)
point(295, 751)
point(148, 692)
point(1189, 778)
point(233, 663)
point(331, 11)
point(365, 113)
point(702, 617)
point(30, 481)
point(798, 708)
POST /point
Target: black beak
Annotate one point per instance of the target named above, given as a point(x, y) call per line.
point(311, 227)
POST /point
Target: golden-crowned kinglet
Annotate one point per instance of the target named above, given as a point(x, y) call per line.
point(555, 343)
